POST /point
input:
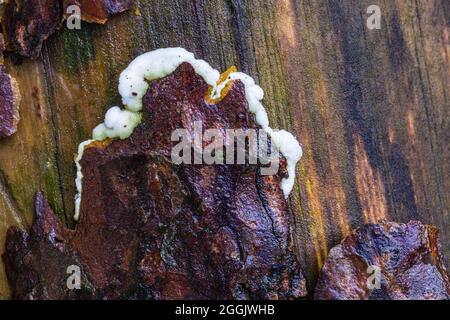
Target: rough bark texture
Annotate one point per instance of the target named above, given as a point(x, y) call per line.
point(369, 106)
point(98, 11)
point(28, 23)
point(150, 229)
point(9, 98)
point(9, 103)
point(407, 255)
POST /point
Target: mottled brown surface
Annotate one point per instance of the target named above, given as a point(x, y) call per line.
point(408, 255)
point(37, 262)
point(9, 98)
point(151, 229)
point(9, 103)
point(98, 11)
point(28, 23)
point(370, 107)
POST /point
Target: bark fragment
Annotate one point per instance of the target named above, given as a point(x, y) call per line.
point(98, 11)
point(28, 23)
point(9, 103)
point(408, 256)
point(150, 229)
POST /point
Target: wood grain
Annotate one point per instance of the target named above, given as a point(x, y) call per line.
point(370, 107)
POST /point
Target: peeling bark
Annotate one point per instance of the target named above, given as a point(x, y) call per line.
point(9, 98)
point(98, 11)
point(150, 229)
point(27, 24)
point(9, 104)
point(407, 255)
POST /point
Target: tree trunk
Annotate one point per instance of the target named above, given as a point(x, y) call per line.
point(370, 107)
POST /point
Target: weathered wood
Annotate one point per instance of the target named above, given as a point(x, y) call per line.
point(369, 106)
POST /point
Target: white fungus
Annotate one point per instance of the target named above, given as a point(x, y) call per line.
point(79, 178)
point(156, 65)
point(133, 85)
point(118, 124)
point(289, 147)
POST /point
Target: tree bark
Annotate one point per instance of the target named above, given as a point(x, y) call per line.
point(370, 107)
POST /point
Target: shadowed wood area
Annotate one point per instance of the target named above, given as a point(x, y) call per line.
point(370, 107)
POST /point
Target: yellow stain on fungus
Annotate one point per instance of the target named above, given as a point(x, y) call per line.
point(99, 144)
point(223, 94)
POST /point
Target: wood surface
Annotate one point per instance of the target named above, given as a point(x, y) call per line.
point(370, 107)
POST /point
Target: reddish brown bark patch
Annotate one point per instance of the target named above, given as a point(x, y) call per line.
point(48, 238)
point(150, 229)
point(27, 24)
point(98, 11)
point(408, 256)
point(9, 104)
